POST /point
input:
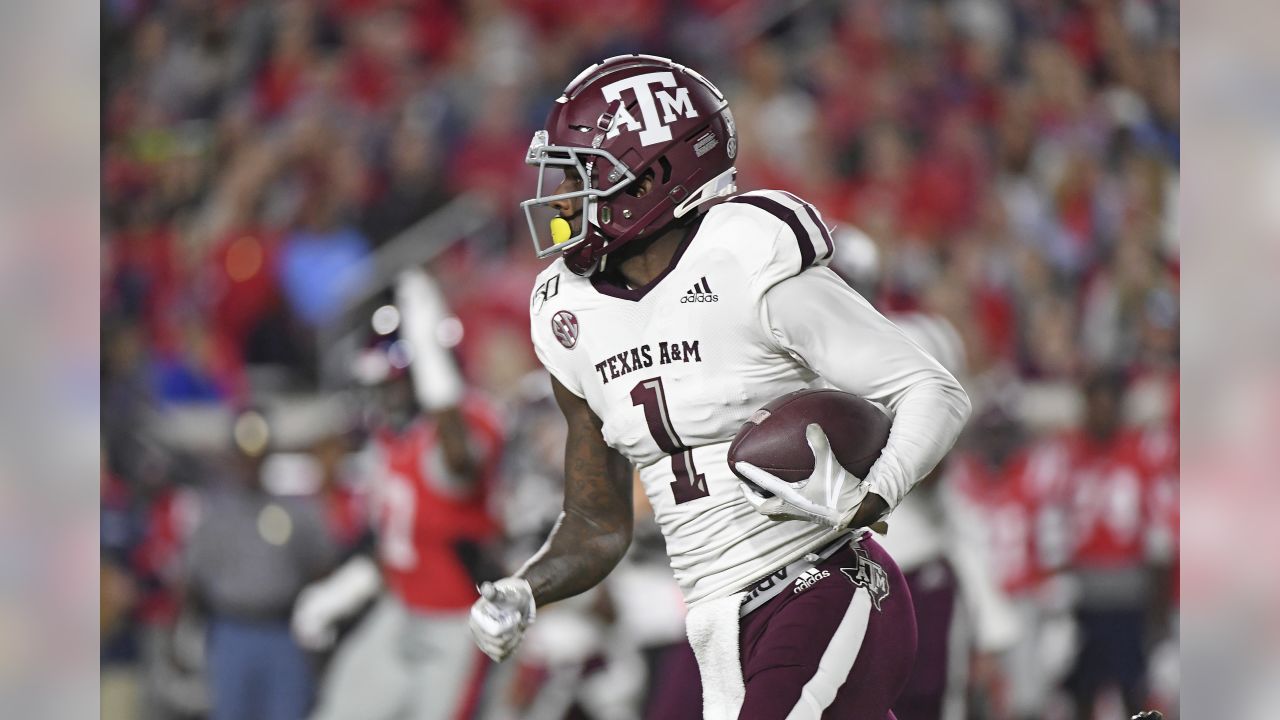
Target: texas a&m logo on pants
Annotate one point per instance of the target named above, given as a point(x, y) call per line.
point(565, 327)
point(870, 576)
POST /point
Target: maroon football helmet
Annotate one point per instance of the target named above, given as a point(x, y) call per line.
point(618, 120)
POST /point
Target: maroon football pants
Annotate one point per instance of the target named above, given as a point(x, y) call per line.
point(836, 643)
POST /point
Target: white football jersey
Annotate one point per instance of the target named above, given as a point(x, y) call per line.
point(674, 369)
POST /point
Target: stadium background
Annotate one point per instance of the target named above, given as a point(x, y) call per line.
point(267, 168)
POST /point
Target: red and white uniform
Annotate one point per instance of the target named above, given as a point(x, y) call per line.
point(1118, 519)
point(412, 656)
point(1019, 515)
point(1024, 515)
point(421, 511)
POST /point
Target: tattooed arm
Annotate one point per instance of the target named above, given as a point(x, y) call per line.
point(590, 538)
point(594, 529)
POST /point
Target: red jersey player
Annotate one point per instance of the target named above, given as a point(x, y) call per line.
point(1122, 548)
point(432, 460)
point(1016, 490)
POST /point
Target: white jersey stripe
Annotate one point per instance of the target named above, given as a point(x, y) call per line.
point(833, 669)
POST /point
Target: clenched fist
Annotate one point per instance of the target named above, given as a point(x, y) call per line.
point(500, 616)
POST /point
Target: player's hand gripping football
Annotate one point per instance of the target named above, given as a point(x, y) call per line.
point(500, 616)
point(830, 496)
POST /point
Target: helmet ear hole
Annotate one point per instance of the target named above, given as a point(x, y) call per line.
point(665, 164)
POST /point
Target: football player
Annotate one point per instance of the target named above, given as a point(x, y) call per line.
point(435, 451)
point(1122, 551)
point(1015, 486)
point(666, 322)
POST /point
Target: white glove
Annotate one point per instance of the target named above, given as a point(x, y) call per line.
point(323, 603)
point(500, 616)
point(830, 496)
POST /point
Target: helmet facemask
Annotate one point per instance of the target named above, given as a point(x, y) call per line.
point(588, 163)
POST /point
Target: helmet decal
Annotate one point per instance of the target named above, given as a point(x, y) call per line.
point(652, 128)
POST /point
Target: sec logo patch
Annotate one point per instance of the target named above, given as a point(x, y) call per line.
point(565, 327)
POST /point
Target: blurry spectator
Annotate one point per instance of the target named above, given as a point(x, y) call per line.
point(240, 279)
point(120, 528)
point(142, 260)
point(197, 366)
point(1117, 300)
point(880, 110)
point(775, 121)
point(292, 52)
point(171, 688)
point(491, 154)
point(127, 398)
point(246, 561)
point(323, 260)
point(412, 186)
point(650, 617)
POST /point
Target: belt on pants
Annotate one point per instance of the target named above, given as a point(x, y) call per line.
point(768, 587)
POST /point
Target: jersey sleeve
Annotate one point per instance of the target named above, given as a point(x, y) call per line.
point(782, 236)
point(543, 319)
point(831, 329)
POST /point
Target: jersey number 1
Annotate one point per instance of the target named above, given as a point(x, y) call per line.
point(689, 483)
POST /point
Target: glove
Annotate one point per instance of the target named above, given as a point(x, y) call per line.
point(323, 603)
point(829, 497)
point(500, 616)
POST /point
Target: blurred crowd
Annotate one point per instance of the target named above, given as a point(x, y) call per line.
point(1011, 167)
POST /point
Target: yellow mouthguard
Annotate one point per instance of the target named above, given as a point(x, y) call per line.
point(560, 230)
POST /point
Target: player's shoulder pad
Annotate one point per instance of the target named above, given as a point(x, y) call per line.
point(777, 232)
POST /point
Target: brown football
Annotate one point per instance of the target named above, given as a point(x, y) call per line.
point(773, 439)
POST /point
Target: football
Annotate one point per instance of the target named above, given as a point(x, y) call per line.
point(773, 439)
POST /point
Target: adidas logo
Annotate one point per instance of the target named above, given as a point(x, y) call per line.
point(700, 292)
point(808, 578)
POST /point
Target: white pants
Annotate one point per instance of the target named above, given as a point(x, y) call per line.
point(401, 665)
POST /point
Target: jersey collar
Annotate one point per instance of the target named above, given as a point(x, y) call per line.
point(604, 284)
